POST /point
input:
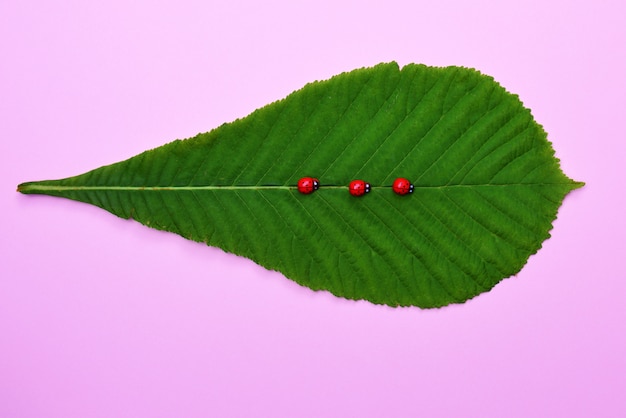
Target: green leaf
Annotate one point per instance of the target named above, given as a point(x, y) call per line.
point(487, 185)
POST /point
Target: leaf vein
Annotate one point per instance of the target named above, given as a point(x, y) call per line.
point(447, 148)
point(363, 127)
point(292, 139)
point(467, 246)
point(406, 117)
point(359, 234)
point(433, 245)
point(400, 278)
point(301, 239)
point(486, 228)
point(505, 213)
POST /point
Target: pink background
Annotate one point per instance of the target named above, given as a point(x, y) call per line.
point(101, 317)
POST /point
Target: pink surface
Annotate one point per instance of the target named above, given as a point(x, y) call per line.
point(101, 317)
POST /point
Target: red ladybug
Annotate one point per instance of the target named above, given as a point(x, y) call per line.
point(402, 186)
point(307, 185)
point(359, 188)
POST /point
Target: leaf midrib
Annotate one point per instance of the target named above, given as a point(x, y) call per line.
point(26, 188)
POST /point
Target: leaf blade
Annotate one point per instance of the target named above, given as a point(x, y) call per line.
point(474, 153)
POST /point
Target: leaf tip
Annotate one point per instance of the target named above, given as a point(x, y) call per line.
point(576, 184)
